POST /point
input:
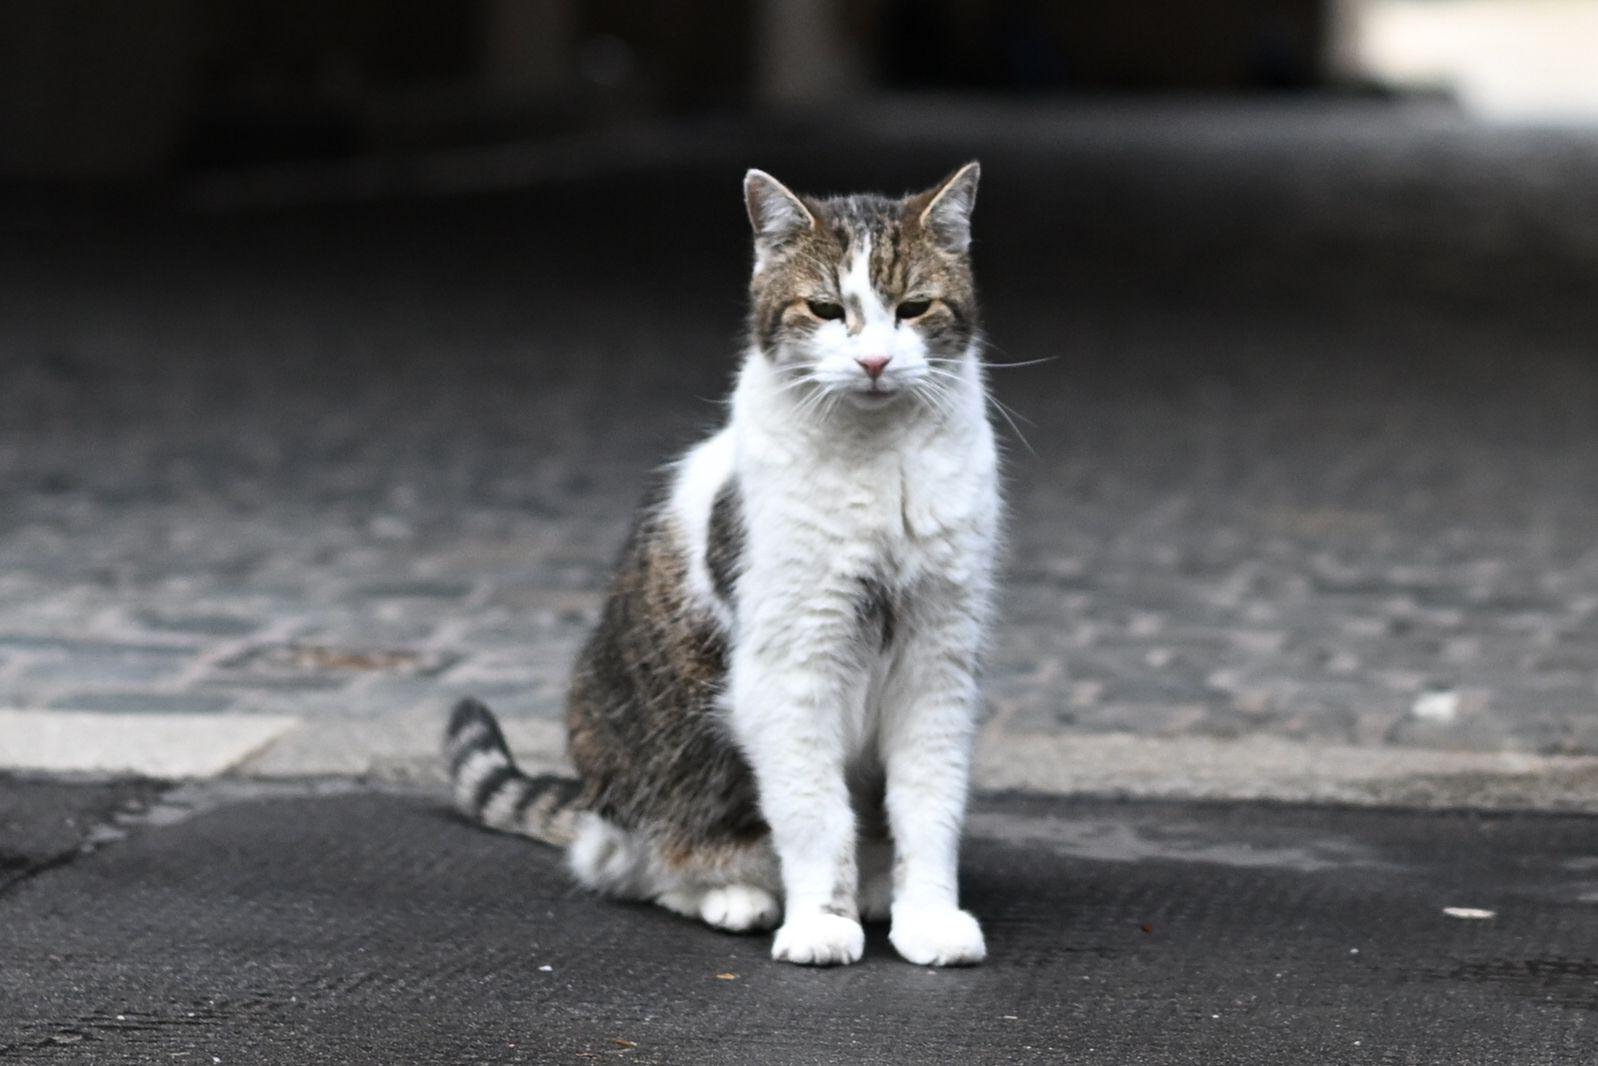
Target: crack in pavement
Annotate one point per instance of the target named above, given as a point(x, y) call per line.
point(49, 822)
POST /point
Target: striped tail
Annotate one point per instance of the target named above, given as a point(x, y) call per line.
point(491, 791)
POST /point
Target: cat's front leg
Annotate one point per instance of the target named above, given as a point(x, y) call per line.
point(787, 705)
point(929, 721)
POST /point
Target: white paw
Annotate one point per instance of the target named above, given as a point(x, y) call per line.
point(876, 898)
point(937, 936)
point(819, 939)
point(739, 908)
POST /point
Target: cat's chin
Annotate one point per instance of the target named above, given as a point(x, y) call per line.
point(875, 398)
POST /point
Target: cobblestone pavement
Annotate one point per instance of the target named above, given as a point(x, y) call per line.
point(1316, 456)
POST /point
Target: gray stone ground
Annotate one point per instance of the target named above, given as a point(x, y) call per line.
point(1317, 449)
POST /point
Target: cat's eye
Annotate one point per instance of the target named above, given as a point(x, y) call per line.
point(913, 309)
point(823, 309)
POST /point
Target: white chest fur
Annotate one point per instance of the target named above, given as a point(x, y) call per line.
point(901, 504)
point(907, 499)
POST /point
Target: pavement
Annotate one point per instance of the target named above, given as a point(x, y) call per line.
point(1290, 753)
point(285, 924)
point(298, 457)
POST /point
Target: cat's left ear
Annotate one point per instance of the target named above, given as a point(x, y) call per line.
point(945, 210)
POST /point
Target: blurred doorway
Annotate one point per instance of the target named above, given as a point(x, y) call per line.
point(1532, 60)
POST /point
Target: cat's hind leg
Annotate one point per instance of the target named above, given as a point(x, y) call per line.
point(732, 889)
point(735, 908)
point(729, 886)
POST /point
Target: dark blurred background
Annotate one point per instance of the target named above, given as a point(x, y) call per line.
point(90, 88)
point(362, 325)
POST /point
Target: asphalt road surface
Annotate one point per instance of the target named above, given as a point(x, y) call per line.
point(336, 925)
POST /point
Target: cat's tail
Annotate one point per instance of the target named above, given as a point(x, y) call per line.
point(491, 791)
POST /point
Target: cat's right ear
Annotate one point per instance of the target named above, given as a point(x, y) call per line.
point(775, 211)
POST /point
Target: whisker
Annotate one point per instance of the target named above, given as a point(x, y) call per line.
point(938, 396)
point(1013, 411)
point(1005, 411)
point(796, 383)
point(833, 399)
point(814, 403)
point(988, 344)
point(1024, 362)
point(946, 361)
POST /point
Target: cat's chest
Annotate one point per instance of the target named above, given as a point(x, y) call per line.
point(893, 516)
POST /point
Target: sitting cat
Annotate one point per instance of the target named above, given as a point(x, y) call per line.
point(774, 716)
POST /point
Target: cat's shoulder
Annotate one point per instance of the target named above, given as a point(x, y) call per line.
point(701, 473)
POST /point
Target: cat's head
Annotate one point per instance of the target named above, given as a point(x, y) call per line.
point(864, 297)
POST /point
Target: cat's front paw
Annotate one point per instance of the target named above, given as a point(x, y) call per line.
point(937, 936)
point(819, 939)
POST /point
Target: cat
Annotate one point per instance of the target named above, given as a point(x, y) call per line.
point(773, 719)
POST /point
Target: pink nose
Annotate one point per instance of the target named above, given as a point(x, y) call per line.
point(873, 365)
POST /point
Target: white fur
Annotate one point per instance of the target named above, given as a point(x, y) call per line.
point(903, 493)
point(739, 908)
point(937, 936)
point(907, 496)
point(843, 481)
point(818, 939)
point(697, 479)
point(735, 908)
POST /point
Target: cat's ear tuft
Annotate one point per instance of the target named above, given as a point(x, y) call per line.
point(775, 211)
point(945, 209)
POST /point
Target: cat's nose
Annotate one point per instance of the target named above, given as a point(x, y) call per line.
point(873, 365)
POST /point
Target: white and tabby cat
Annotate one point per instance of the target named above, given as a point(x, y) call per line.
point(774, 717)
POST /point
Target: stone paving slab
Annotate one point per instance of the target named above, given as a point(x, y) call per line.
point(141, 745)
point(1314, 460)
point(402, 749)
